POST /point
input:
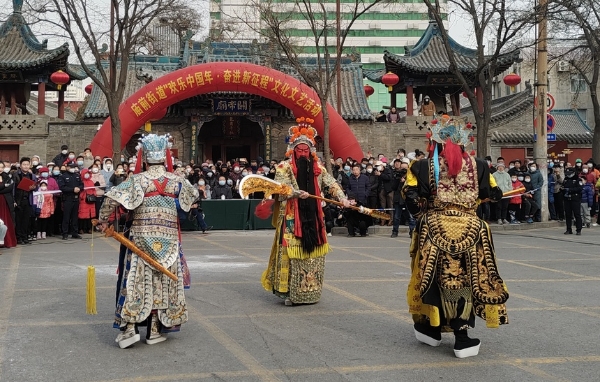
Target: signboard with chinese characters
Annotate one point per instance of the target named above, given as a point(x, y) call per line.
point(225, 106)
point(194, 139)
point(231, 127)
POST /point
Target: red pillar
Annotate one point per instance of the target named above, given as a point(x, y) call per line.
point(410, 101)
point(61, 104)
point(41, 98)
point(479, 96)
point(13, 103)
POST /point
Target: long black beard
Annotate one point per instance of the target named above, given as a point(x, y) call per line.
point(307, 208)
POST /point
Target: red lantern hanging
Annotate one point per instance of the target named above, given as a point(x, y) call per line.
point(368, 90)
point(88, 88)
point(390, 79)
point(60, 78)
point(512, 80)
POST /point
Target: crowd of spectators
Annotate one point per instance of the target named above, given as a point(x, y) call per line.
point(61, 197)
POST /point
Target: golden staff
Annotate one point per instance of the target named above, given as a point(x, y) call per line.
point(110, 232)
point(258, 183)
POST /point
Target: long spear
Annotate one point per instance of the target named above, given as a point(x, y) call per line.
point(110, 232)
point(258, 183)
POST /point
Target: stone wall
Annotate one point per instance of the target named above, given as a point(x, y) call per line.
point(77, 136)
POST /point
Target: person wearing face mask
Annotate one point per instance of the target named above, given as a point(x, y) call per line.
point(537, 182)
point(7, 207)
point(373, 187)
point(530, 206)
point(386, 189)
point(221, 190)
point(44, 204)
point(24, 200)
point(100, 183)
point(87, 202)
point(503, 180)
point(514, 203)
point(80, 162)
point(71, 185)
point(107, 172)
point(572, 190)
point(35, 162)
point(587, 201)
point(578, 166)
point(62, 156)
point(56, 219)
point(211, 179)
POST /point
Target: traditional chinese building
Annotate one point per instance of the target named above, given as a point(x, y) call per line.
point(424, 70)
point(26, 65)
point(234, 124)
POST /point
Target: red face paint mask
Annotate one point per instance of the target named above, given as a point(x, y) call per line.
point(302, 150)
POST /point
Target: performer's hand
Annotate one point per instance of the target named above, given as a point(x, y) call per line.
point(103, 226)
point(76, 190)
point(303, 195)
point(352, 202)
point(346, 202)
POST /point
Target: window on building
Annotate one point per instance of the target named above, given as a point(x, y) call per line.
point(578, 84)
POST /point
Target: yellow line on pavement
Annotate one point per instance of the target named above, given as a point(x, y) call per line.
point(545, 268)
point(233, 347)
point(375, 307)
point(524, 364)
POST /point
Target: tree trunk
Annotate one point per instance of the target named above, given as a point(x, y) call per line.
point(115, 132)
point(326, 152)
point(596, 139)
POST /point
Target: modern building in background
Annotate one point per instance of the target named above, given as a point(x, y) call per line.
point(385, 27)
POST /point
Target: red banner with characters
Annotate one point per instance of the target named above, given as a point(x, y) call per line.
point(153, 99)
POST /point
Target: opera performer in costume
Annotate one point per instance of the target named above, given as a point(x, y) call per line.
point(454, 270)
point(147, 296)
point(297, 261)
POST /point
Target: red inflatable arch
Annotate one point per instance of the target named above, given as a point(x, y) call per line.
point(151, 100)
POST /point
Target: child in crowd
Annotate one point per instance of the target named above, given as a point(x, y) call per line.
point(44, 207)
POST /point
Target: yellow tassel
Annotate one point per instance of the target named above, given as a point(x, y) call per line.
point(91, 291)
point(492, 317)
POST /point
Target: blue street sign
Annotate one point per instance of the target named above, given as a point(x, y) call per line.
point(549, 137)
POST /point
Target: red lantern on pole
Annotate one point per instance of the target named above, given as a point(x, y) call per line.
point(512, 80)
point(368, 90)
point(390, 79)
point(60, 78)
point(88, 88)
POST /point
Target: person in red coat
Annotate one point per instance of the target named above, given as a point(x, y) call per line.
point(87, 210)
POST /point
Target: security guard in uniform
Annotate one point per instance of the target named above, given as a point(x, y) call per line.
point(70, 184)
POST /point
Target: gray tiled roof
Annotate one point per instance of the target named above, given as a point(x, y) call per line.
point(429, 56)
point(19, 48)
point(373, 74)
point(569, 127)
point(508, 107)
point(97, 106)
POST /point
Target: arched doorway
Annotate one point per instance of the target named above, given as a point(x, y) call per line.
point(231, 137)
point(151, 100)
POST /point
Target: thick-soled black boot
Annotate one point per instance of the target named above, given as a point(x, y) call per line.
point(464, 346)
point(428, 334)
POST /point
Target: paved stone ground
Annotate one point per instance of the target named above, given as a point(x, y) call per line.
point(360, 331)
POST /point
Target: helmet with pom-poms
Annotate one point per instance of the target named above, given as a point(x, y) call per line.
point(302, 133)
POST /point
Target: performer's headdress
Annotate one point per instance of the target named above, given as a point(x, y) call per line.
point(454, 135)
point(154, 149)
point(303, 133)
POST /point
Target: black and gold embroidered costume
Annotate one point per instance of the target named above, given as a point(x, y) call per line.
point(454, 271)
